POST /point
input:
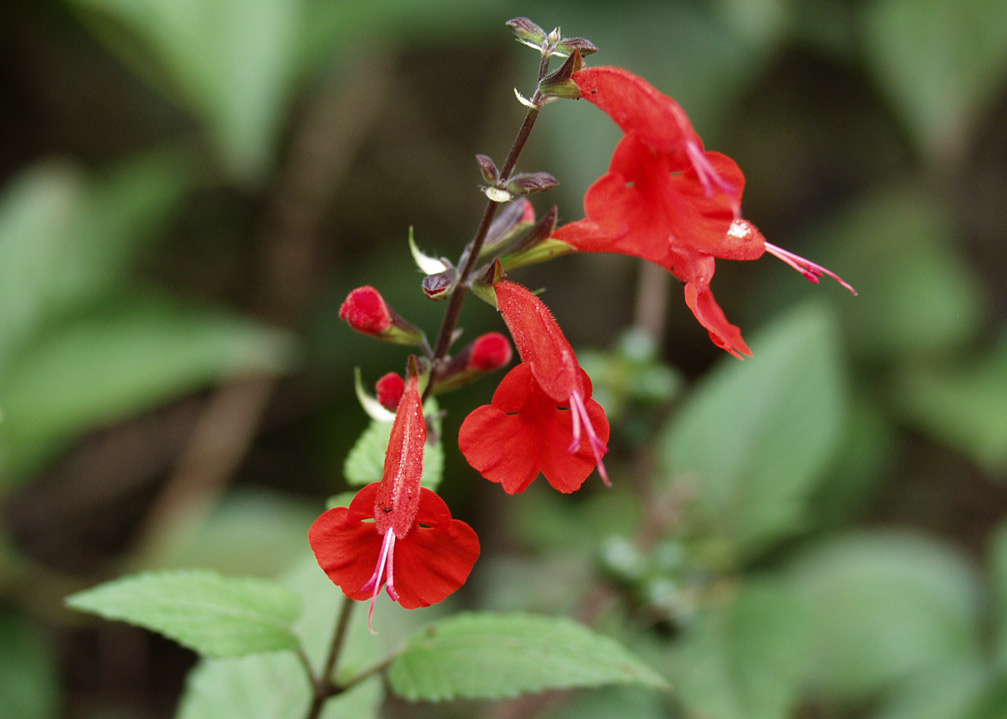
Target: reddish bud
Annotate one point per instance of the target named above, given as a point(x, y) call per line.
point(486, 353)
point(389, 390)
point(489, 352)
point(440, 285)
point(366, 311)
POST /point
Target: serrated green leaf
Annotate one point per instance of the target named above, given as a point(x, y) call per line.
point(941, 62)
point(211, 614)
point(365, 462)
point(964, 406)
point(489, 656)
point(883, 607)
point(267, 686)
point(756, 435)
point(275, 685)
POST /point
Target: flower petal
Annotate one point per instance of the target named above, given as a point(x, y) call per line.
point(635, 104)
point(565, 470)
point(503, 448)
point(435, 559)
point(346, 546)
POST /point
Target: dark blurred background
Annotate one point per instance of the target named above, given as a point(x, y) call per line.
point(188, 190)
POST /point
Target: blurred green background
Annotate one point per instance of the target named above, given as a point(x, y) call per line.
point(189, 189)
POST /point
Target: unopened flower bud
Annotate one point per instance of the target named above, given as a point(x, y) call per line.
point(488, 169)
point(486, 353)
point(528, 183)
point(581, 44)
point(489, 352)
point(366, 311)
point(527, 32)
point(560, 83)
point(440, 285)
point(389, 390)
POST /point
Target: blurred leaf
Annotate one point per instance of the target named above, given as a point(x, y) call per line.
point(65, 238)
point(868, 448)
point(490, 656)
point(948, 692)
point(941, 62)
point(998, 591)
point(365, 462)
point(214, 615)
point(964, 406)
point(613, 702)
point(993, 705)
point(884, 606)
point(917, 295)
point(253, 532)
point(742, 661)
point(756, 435)
point(274, 686)
point(118, 360)
point(29, 688)
point(232, 64)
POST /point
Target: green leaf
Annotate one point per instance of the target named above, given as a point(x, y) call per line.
point(267, 686)
point(251, 532)
point(941, 61)
point(119, 360)
point(66, 237)
point(964, 406)
point(211, 614)
point(233, 66)
point(275, 686)
point(365, 462)
point(743, 660)
point(947, 692)
point(29, 687)
point(489, 656)
point(998, 591)
point(756, 435)
point(918, 296)
point(883, 607)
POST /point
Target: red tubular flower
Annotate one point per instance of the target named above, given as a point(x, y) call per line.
point(412, 547)
point(542, 417)
point(666, 200)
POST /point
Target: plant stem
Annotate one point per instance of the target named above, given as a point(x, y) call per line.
point(322, 685)
point(470, 257)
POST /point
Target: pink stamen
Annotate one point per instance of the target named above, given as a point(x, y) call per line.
point(809, 269)
point(582, 421)
point(709, 177)
point(382, 574)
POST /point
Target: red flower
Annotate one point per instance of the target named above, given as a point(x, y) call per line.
point(395, 533)
point(667, 200)
point(542, 417)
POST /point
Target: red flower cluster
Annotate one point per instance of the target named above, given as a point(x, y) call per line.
point(542, 417)
point(396, 534)
point(667, 200)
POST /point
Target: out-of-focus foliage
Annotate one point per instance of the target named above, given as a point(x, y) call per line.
point(189, 189)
